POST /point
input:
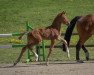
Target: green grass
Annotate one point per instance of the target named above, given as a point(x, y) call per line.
point(40, 13)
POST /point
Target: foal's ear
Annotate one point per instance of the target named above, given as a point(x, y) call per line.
point(64, 12)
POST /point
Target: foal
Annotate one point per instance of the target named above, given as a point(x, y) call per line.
point(49, 33)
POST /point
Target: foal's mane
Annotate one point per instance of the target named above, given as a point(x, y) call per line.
point(57, 22)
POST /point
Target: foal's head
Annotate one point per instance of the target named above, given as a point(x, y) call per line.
point(62, 17)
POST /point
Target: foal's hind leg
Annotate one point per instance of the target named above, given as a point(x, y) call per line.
point(86, 52)
point(34, 52)
point(18, 59)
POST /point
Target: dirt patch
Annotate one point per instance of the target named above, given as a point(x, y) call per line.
point(54, 68)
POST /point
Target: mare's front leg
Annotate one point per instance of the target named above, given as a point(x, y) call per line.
point(66, 45)
point(50, 50)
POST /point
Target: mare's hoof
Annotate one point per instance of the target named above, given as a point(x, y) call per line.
point(87, 58)
point(80, 61)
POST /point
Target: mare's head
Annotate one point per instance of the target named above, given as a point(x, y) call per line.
point(62, 18)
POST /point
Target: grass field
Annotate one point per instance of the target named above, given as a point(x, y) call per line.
point(40, 13)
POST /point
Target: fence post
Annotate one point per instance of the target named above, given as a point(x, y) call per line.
point(43, 48)
point(28, 52)
point(38, 51)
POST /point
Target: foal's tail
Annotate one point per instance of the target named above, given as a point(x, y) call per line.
point(20, 37)
point(69, 31)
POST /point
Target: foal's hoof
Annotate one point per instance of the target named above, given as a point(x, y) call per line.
point(80, 61)
point(47, 63)
point(14, 64)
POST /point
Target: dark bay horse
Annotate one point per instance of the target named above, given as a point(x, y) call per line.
point(85, 29)
point(49, 33)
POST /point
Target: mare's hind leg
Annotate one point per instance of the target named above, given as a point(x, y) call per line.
point(22, 51)
point(86, 52)
point(80, 44)
point(78, 47)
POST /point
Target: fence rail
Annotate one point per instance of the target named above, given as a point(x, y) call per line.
point(59, 46)
point(21, 45)
point(72, 33)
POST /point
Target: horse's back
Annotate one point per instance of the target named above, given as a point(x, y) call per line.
point(49, 33)
point(86, 22)
point(85, 25)
point(39, 34)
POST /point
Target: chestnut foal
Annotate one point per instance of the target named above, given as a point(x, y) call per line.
point(49, 33)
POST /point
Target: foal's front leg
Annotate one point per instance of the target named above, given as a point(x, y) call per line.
point(50, 50)
point(66, 45)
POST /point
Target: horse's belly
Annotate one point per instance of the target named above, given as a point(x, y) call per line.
point(92, 32)
point(48, 37)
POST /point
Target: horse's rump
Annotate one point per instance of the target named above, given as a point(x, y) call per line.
point(86, 23)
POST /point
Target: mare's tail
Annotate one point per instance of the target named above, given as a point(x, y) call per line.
point(69, 31)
